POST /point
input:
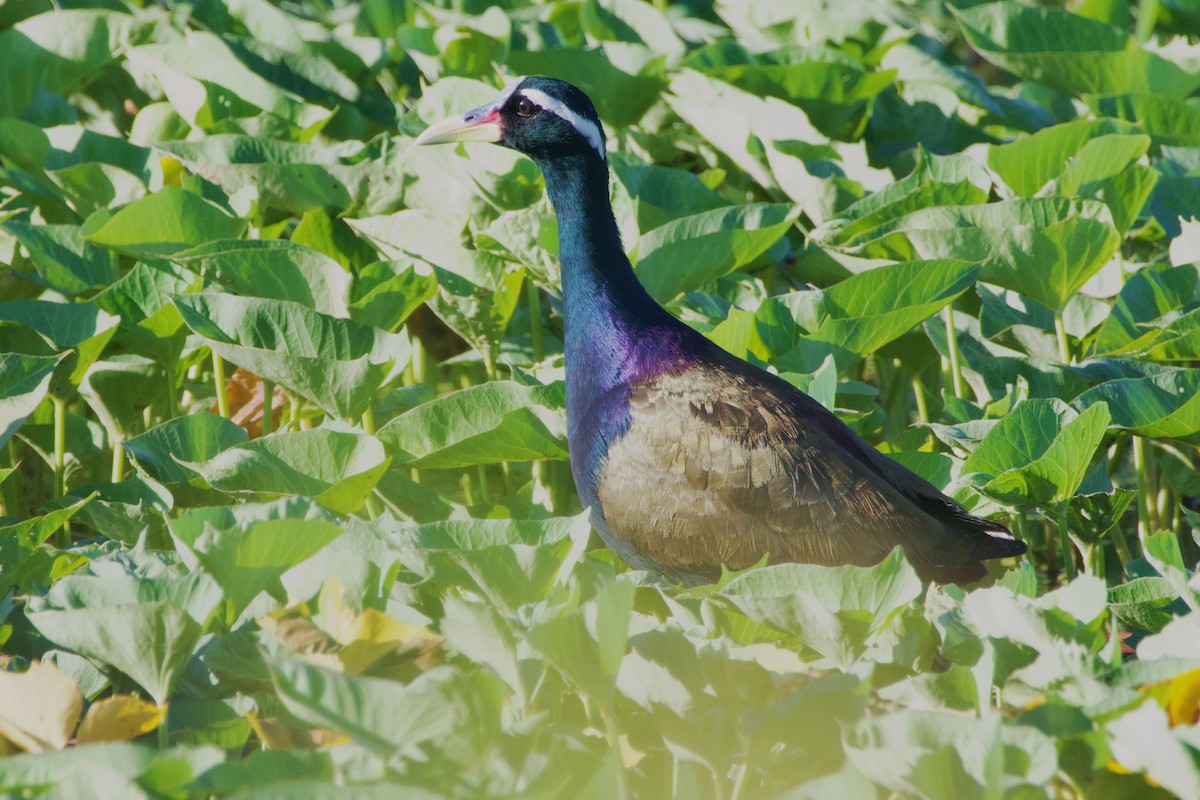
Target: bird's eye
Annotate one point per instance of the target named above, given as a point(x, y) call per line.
point(526, 108)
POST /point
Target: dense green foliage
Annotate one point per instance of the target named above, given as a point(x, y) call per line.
point(966, 229)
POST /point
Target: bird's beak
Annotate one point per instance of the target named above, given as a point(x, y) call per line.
point(478, 125)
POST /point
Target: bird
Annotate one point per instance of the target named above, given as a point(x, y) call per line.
point(690, 459)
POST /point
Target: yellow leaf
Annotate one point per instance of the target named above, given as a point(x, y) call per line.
point(374, 634)
point(39, 708)
point(118, 719)
point(1183, 700)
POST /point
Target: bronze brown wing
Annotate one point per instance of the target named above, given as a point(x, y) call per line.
point(743, 468)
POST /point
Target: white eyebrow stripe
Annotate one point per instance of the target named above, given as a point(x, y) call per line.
point(587, 129)
point(509, 88)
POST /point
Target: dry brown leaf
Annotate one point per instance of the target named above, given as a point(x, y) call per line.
point(39, 708)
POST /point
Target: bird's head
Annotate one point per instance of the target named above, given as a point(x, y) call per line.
point(540, 117)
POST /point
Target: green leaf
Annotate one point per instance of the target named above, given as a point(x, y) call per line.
point(837, 611)
point(336, 468)
point(149, 641)
point(58, 51)
point(688, 253)
point(1069, 53)
point(744, 116)
point(382, 715)
point(1170, 121)
point(872, 308)
point(24, 381)
point(1029, 163)
point(161, 224)
point(1147, 296)
point(1142, 741)
point(336, 363)
point(247, 551)
point(1148, 604)
point(210, 87)
point(386, 292)
point(80, 330)
point(273, 269)
point(1045, 248)
point(162, 451)
point(1163, 406)
point(487, 424)
point(1038, 454)
point(64, 260)
point(934, 181)
point(586, 644)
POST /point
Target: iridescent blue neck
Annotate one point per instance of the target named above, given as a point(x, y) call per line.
point(615, 332)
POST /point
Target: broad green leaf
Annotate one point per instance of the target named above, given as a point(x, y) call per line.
point(273, 269)
point(1168, 120)
point(1148, 603)
point(245, 556)
point(872, 308)
point(743, 116)
point(24, 381)
point(336, 468)
point(163, 223)
point(689, 252)
point(386, 292)
point(382, 715)
point(586, 644)
point(938, 753)
point(1142, 741)
point(1039, 453)
point(1032, 161)
point(1069, 53)
point(1147, 296)
point(64, 260)
point(288, 176)
point(662, 194)
point(119, 391)
point(934, 181)
point(486, 424)
point(337, 363)
point(162, 451)
point(210, 87)
point(89, 771)
point(64, 50)
point(78, 329)
point(837, 97)
point(837, 611)
point(1163, 406)
point(1045, 248)
point(149, 641)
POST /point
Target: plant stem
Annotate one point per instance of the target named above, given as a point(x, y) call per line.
point(219, 385)
point(118, 460)
point(956, 379)
point(535, 319)
point(614, 742)
point(60, 445)
point(163, 741)
point(60, 460)
point(1064, 344)
point(1146, 493)
point(268, 406)
point(1064, 540)
point(1121, 546)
